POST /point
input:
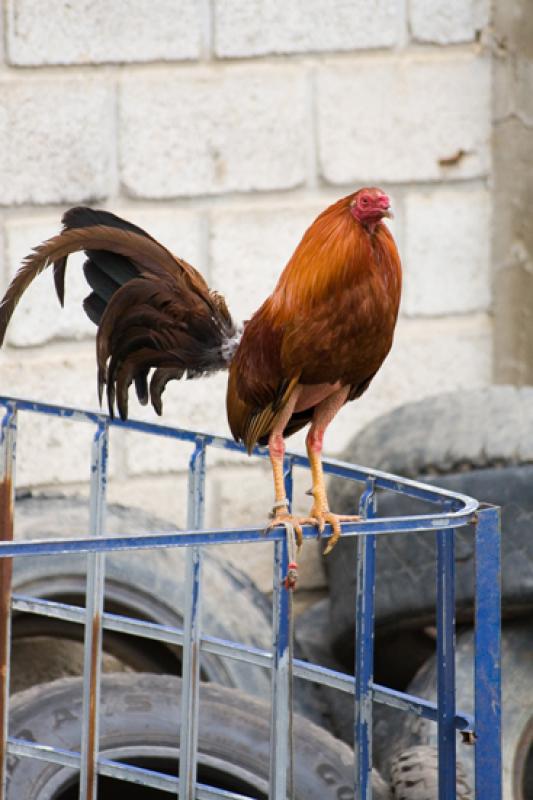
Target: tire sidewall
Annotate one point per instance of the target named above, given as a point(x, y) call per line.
point(143, 710)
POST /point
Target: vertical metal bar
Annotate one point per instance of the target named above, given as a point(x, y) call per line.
point(279, 723)
point(8, 431)
point(487, 663)
point(446, 662)
point(94, 602)
point(364, 649)
point(288, 477)
point(192, 628)
point(280, 699)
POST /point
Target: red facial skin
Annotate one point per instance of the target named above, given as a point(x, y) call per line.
point(369, 206)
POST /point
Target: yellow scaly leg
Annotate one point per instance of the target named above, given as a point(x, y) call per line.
point(320, 512)
point(281, 515)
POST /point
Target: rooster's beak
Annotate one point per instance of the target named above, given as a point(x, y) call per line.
point(388, 213)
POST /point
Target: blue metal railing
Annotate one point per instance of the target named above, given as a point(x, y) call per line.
point(454, 510)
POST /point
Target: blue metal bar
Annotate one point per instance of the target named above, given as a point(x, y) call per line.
point(281, 630)
point(446, 663)
point(364, 649)
point(487, 669)
point(83, 544)
point(461, 503)
point(191, 631)
point(279, 738)
point(94, 606)
point(8, 433)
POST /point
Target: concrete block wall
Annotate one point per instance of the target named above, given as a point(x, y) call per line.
point(224, 127)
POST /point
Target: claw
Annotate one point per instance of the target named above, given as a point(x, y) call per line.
point(325, 517)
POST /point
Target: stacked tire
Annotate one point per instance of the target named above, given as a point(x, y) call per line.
point(140, 725)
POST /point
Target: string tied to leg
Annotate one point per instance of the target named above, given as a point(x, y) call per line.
point(292, 567)
point(276, 507)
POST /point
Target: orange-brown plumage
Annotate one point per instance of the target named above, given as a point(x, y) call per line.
point(314, 344)
point(330, 319)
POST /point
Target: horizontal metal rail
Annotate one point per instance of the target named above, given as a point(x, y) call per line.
point(148, 541)
point(455, 510)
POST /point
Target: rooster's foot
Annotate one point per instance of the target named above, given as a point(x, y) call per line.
point(322, 517)
point(281, 516)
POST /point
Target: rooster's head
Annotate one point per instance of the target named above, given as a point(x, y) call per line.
point(369, 205)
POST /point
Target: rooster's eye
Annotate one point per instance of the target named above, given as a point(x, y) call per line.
point(364, 201)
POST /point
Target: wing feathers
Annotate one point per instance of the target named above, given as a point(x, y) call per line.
point(254, 425)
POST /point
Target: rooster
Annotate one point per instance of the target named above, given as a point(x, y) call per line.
point(315, 343)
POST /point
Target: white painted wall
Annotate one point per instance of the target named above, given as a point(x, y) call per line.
point(224, 127)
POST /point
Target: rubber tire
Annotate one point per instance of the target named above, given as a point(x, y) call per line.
point(487, 437)
point(450, 432)
point(147, 584)
point(517, 708)
point(142, 713)
point(336, 707)
point(415, 776)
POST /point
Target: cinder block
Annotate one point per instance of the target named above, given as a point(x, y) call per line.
point(52, 32)
point(447, 253)
point(447, 21)
point(38, 318)
point(249, 249)
point(258, 27)
point(404, 118)
point(56, 137)
point(213, 131)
